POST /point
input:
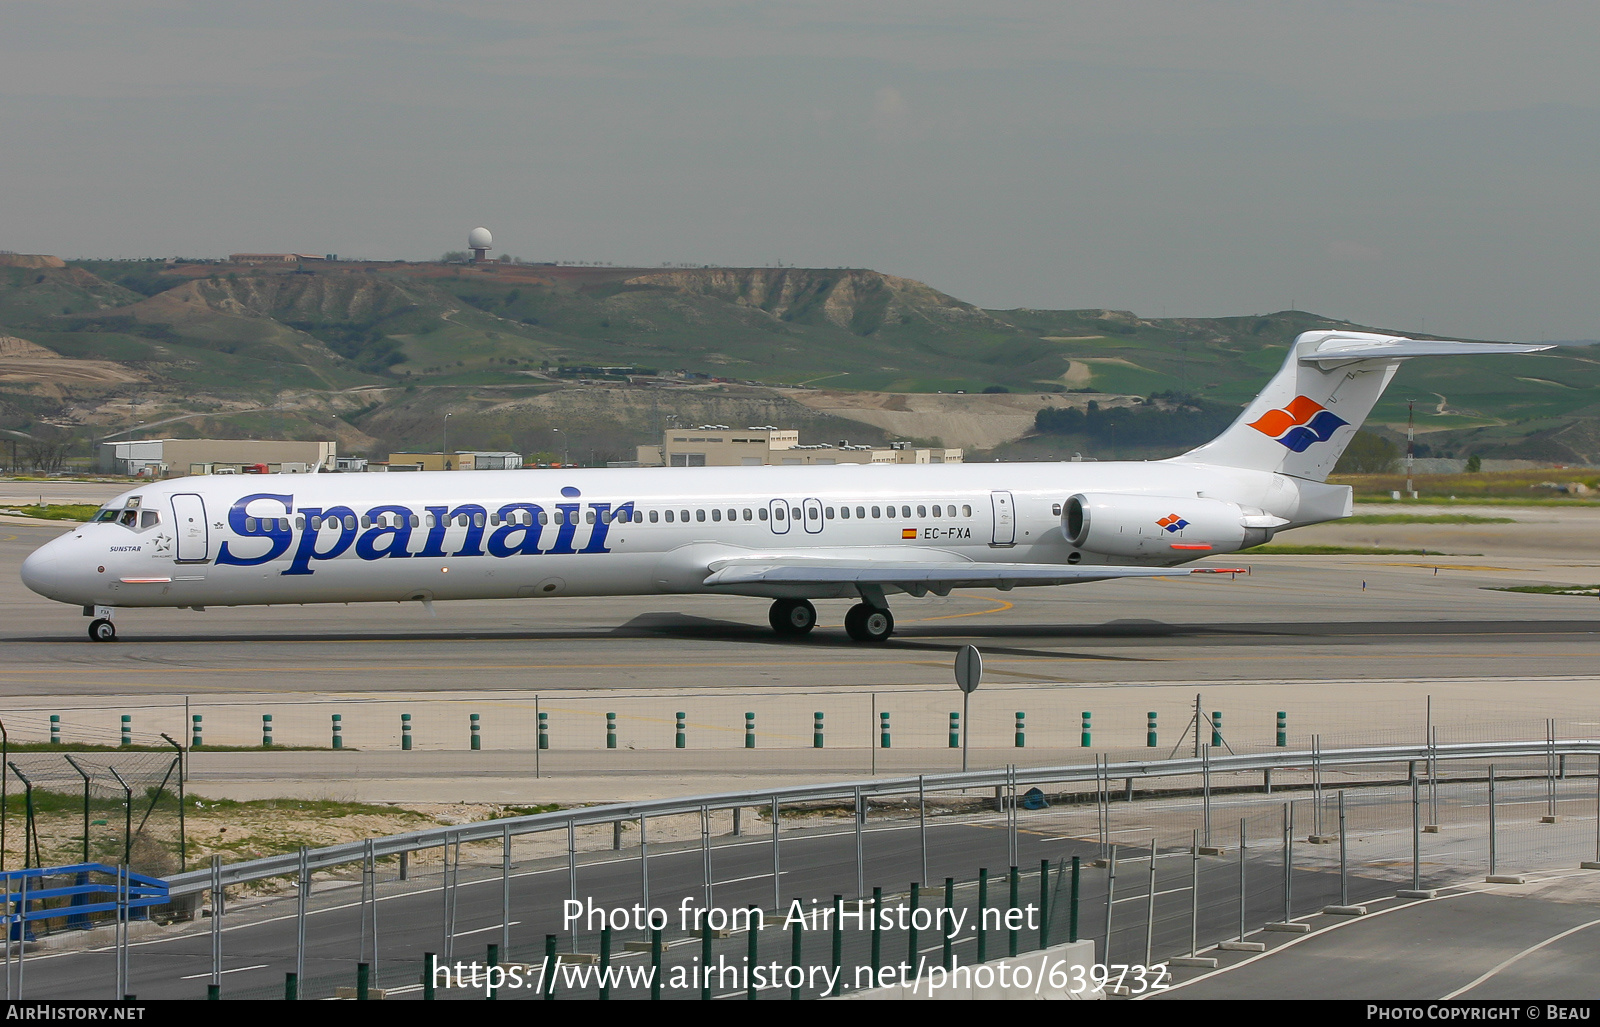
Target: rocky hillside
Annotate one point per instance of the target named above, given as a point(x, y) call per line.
point(860, 302)
point(376, 354)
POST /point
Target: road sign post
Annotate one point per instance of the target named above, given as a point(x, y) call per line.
point(969, 671)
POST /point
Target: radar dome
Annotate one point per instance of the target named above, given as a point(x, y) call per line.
point(479, 239)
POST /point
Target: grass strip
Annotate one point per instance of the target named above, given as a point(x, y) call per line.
point(1365, 498)
point(1586, 591)
point(53, 511)
point(1424, 519)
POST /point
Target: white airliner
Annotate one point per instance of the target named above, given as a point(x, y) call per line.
point(789, 534)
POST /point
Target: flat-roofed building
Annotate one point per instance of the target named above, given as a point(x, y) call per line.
point(717, 445)
point(172, 458)
point(456, 460)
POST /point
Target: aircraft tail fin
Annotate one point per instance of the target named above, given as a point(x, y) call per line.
point(1302, 421)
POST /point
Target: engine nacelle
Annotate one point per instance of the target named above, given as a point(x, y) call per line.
point(1117, 524)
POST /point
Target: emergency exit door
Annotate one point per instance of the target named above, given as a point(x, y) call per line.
point(1005, 519)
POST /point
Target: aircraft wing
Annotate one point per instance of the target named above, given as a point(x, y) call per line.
point(930, 577)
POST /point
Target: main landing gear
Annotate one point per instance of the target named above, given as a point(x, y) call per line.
point(793, 618)
point(868, 623)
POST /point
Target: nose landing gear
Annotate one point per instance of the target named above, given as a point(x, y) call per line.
point(101, 629)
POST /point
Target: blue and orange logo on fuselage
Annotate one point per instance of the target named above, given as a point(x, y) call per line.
point(1300, 424)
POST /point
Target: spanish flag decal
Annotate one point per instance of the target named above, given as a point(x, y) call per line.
point(908, 532)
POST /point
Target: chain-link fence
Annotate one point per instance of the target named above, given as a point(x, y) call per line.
point(117, 808)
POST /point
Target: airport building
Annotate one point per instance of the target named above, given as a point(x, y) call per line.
point(458, 460)
point(717, 445)
point(174, 458)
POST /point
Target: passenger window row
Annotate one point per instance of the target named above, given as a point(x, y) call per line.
point(526, 517)
point(923, 510)
point(392, 520)
point(829, 513)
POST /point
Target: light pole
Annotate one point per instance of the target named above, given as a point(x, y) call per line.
point(565, 449)
point(444, 448)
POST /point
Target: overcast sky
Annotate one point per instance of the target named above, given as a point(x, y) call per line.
point(1417, 164)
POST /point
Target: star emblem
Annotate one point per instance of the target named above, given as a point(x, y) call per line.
point(163, 542)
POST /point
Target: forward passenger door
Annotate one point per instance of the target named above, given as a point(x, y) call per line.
point(189, 528)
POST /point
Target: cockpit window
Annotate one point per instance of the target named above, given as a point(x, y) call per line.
point(131, 517)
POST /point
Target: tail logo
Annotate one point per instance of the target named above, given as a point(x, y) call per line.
point(1173, 523)
point(1300, 424)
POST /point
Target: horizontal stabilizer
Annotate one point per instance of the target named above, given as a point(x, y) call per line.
point(1342, 349)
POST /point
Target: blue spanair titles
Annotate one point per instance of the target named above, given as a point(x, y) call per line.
point(388, 531)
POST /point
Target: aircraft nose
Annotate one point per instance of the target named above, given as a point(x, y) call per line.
point(44, 570)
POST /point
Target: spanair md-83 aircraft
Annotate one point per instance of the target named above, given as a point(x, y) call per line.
point(788, 534)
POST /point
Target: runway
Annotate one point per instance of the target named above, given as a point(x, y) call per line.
point(1352, 646)
point(1307, 617)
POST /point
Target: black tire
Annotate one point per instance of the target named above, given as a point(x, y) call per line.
point(102, 630)
point(792, 617)
point(866, 623)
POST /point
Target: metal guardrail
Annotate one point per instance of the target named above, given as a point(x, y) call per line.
point(196, 881)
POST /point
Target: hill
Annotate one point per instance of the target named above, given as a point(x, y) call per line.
point(376, 354)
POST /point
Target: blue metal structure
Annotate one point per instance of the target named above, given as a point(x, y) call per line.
point(27, 898)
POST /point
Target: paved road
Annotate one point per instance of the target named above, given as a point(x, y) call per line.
point(1474, 942)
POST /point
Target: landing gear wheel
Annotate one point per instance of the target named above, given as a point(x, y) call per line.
point(792, 617)
point(102, 630)
point(866, 623)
